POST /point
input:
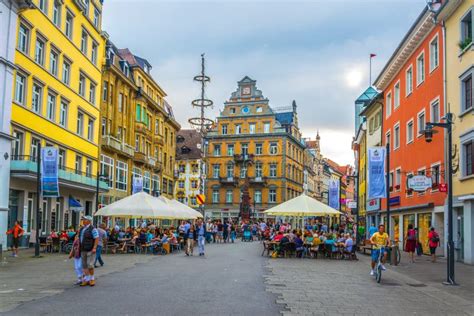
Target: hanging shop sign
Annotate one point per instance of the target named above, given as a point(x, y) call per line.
point(419, 183)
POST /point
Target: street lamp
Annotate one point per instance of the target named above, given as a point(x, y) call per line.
point(356, 178)
point(99, 176)
point(428, 132)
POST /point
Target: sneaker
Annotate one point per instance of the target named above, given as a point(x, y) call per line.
point(92, 282)
point(383, 267)
point(84, 283)
point(372, 272)
point(78, 282)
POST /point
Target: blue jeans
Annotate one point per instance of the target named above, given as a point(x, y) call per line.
point(201, 241)
point(98, 256)
point(232, 236)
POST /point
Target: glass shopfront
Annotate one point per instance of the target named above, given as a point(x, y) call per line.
point(424, 225)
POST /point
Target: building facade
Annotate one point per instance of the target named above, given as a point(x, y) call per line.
point(458, 17)
point(188, 161)
point(359, 146)
point(137, 129)
point(412, 86)
point(56, 91)
point(253, 149)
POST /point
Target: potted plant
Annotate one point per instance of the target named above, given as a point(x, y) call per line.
point(397, 187)
point(465, 43)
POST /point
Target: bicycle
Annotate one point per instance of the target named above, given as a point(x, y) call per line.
point(378, 266)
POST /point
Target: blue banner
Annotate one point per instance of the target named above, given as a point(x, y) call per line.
point(49, 172)
point(137, 184)
point(334, 194)
point(376, 173)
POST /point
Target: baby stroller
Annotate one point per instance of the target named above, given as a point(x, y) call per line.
point(247, 236)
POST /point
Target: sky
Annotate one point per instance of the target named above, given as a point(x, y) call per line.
point(314, 52)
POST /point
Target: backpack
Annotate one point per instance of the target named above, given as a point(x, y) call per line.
point(435, 238)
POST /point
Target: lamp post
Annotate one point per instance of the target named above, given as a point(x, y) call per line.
point(356, 178)
point(99, 176)
point(428, 132)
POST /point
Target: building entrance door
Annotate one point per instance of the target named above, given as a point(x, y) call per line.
point(13, 212)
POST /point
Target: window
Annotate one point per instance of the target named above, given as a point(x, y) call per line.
point(421, 122)
point(57, 13)
point(273, 148)
point(80, 123)
point(84, 40)
point(238, 129)
point(94, 53)
point(409, 191)
point(51, 108)
point(396, 95)
point(66, 72)
point(224, 129)
point(230, 170)
point(272, 196)
point(243, 171)
point(92, 93)
point(396, 133)
point(86, 5)
point(194, 184)
point(36, 98)
point(69, 24)
point(105, 91)
point(104, 126)
point(229, 196)
point(252, 128)
point(258, 149)
point(78, 164)
point(53, 63)
point(43, 6)
point(435, 176)
point(217, 150)
point(257, 197)
point(82, 85)
point(466, 92)
point(63, 113)
point(273, 170)
point(420, 69)
point(96, 17)
point(39, 51)
point(232, 110)
point(259, 109)
point(146, 182)
point(90, 130)
point(266, 127)
point(398, 179)
point(409, 81)
point(20, 85)
point(17, 144)
point(23, 38)
point(466, 29)
point(434, 54)
point(62, 159)
point(88, 168)
point(468, 158)
point(388, 139)
point(388, 104)
point(155, 183)
point(216, 171)
point(120, 102)
point(121, 176)
point(193, 200)
point(230, 149)
point(410, 131)
point(215, 196)
point(35, 142)
point(107, 169)
point(435, 112)
point(245, 149)
point(258, 170)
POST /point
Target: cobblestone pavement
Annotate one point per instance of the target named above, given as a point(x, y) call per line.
point(334, 287)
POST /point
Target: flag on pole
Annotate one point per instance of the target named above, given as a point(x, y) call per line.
point(372, 55)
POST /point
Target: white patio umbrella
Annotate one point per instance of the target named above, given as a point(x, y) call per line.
point(139, 205)
point(181, 208)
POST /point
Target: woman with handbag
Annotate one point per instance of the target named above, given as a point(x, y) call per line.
point(433, 243)
point(410, 242)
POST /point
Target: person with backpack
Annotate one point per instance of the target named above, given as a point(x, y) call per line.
point(433, 243)
point(88, 241)
point(410, 242)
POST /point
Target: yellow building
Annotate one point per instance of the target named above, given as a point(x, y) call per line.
point(360, 149)
point(458, 17)
point(59, 55)
point(252, 144)
point(137, 128)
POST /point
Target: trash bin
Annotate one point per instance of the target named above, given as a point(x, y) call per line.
point(25, 241)
point(393, 253)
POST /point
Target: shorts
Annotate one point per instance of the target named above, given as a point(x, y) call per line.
point(16, 242)
point(87, 258)
point(433, 250)
point(376, 253)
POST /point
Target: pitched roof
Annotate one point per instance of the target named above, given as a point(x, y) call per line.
point(367, 95)
point(310, 143)
point(132, 59)
point(191, 139)
point(285, 118)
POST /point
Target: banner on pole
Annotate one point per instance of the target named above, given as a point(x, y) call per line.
point(376, 173)
point(334, 194)
point(137, 184)
point(49, 172)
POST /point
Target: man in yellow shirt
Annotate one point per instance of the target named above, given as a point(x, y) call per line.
point(379, 240)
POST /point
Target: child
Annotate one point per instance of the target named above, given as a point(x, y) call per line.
point(76, 253)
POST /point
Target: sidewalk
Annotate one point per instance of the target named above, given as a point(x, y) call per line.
point(26, 278)
point(434, 274)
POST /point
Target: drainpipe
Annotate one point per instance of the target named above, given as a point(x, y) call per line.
point(446, 150)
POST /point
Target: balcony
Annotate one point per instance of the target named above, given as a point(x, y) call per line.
point(243, 157)
point(114, 144)
point(158, 139)
point(258, 181)
point(228, 181)
point(25, 167)
point(140, 157)
point(151, 161)
point(140, 127)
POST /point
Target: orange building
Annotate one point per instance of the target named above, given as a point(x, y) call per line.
point(412, 86)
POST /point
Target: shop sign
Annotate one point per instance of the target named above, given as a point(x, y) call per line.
point(351, 204)
point(443, 187)
point(419, 183)
point(394, 200)
point(373, 205)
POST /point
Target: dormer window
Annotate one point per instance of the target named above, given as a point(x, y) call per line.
point(185, 150)
point(180, 139)
point(124, 67)
point(232, 110)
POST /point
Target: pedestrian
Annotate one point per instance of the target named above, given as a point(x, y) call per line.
point(191, 237)
point(16, 231)
point(233, 234)
point(76, 254)
point(225, 231)
point(433, 243)
point(89, 240)
point(372, 229)
point(410, 242)
point(102, 236)
point(208, 231)
point(201, 235)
